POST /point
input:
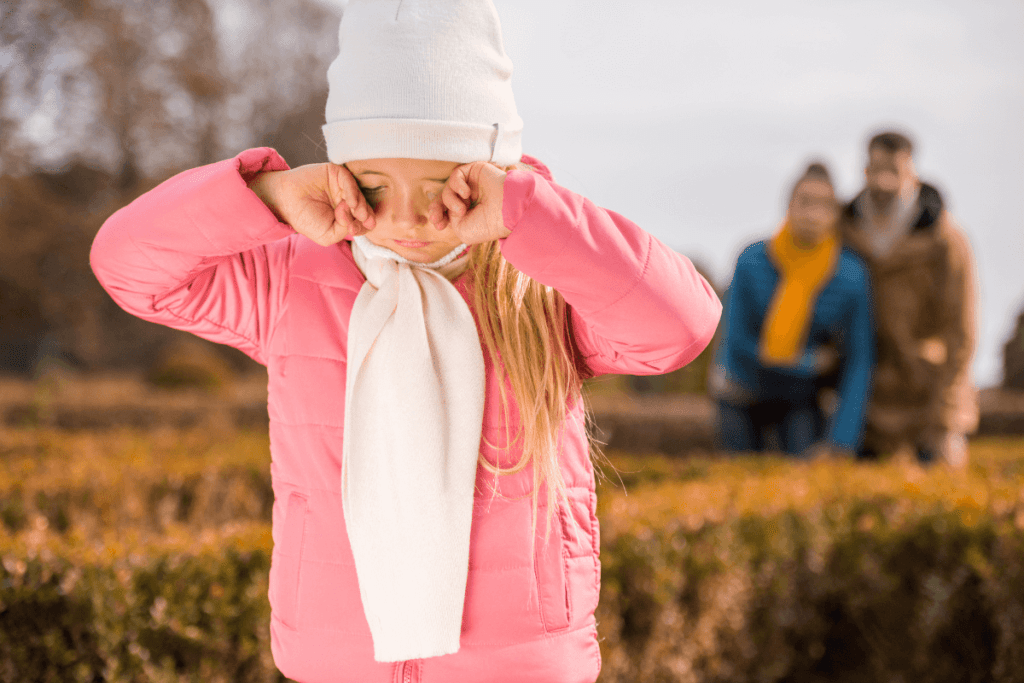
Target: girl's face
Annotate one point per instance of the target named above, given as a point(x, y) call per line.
point(399, 192)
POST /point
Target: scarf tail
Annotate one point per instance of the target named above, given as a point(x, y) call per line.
point(413, 422)
point(803, 274)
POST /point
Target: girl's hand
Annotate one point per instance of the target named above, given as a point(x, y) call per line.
point(321, 201)
point(470, 203)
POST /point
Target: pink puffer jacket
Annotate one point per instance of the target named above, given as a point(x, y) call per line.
point(201, 253)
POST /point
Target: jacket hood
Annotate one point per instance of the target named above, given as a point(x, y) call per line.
point(929, 203)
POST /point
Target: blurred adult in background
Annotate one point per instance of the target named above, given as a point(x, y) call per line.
point(798, 316)
point(922, 273)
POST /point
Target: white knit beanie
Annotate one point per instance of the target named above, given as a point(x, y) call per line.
point(421, 79)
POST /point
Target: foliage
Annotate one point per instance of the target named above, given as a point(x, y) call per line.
point(189, 363)
point(131, 556)
point(768, 570)
point(89, 481)
point(186, 607)
point(102, 99)
point(149, 86)
point(1013, 357)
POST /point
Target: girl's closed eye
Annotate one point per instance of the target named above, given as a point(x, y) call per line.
point(373, 195)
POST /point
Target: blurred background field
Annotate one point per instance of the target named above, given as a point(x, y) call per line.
point(141, 554)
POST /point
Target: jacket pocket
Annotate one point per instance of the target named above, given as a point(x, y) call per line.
point(289, 560)
point(550, 567)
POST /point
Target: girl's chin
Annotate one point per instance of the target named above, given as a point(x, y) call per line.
point(417, 256)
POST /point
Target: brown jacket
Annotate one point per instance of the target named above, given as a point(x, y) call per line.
point(925, 293)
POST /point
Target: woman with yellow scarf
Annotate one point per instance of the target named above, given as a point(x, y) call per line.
point(798, 320)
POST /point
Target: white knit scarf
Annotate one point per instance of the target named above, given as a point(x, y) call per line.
point(414, 397)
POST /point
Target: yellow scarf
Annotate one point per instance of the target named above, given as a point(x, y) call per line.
point(803, 273)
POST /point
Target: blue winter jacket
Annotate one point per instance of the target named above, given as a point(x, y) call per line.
point(842, 316)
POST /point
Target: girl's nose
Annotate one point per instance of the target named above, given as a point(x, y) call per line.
point(408, 211)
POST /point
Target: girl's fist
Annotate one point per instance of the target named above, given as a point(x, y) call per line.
point(321, 201)
point(471, 202)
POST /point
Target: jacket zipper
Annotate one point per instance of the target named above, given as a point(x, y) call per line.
point(406, 672)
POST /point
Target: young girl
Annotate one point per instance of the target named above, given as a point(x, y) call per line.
point(427, 306)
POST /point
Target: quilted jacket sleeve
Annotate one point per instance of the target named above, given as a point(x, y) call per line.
point(201, 253)
point(638, 307)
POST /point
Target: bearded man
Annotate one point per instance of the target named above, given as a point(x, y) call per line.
point(923, 279)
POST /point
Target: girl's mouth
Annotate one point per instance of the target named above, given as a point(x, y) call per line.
point(412, 244)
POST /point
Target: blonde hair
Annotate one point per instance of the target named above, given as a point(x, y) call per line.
point(527, 335)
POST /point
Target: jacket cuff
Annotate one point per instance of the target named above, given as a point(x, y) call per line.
point(538, 238)
point(517, 193)
point(236, 203)
point(251, 162)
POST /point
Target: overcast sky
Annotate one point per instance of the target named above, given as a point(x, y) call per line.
point(693, 118)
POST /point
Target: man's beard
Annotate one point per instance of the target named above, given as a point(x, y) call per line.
point(883, 201)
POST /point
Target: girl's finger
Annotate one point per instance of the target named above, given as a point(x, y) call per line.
point(353, 196)
point(453, 202)
point(436, 213)
point(349, 191)
point(348, 224)
point(460, 183)
point(335, 234)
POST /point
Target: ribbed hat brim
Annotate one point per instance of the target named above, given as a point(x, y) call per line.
point(422, 139)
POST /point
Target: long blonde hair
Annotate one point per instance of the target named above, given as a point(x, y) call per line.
point(527, 335)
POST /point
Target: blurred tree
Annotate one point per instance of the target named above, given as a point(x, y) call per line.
point(102, 99)
point(147, 87)
point(130, 85)
point(280, 74)
point(53, 306)
point(298, 136)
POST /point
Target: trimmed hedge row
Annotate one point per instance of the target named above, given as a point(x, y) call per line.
point(855, 594)
point(180, 609)
point(735, 570)
point(768, 570)
point(87, 482)
point(866, 592)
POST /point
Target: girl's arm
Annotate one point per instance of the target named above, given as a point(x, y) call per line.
point(200, 253)
point(638, 307)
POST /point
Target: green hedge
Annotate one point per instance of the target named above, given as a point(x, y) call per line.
point(762, 569)
point(179, 609)
point(853, 593)
point(91, 482)
point(734, 570)
point(842, 595)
